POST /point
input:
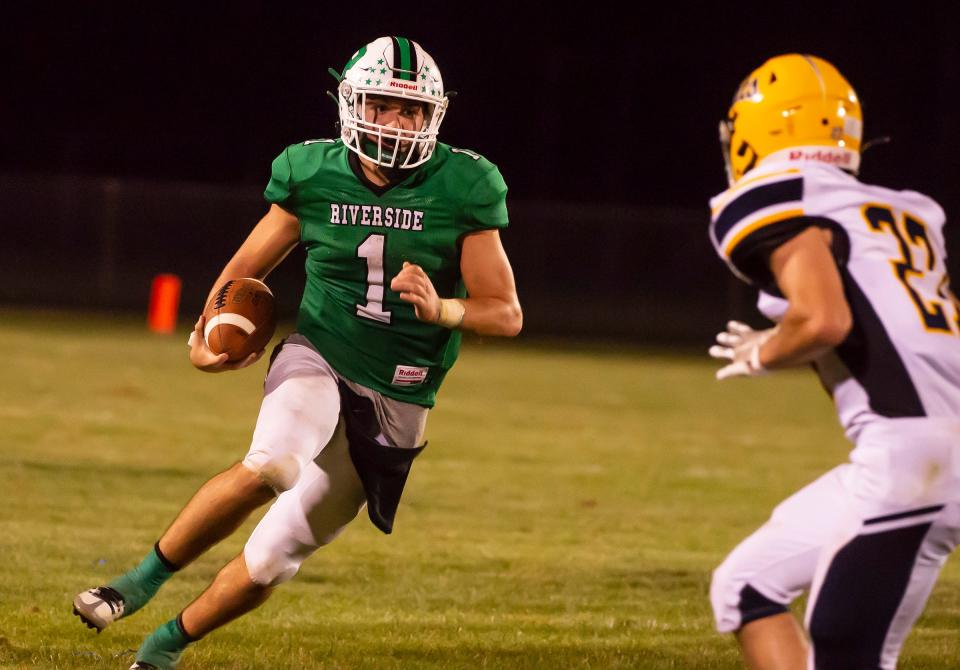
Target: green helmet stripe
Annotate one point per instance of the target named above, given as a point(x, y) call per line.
point(353, 60)
point(402, 58)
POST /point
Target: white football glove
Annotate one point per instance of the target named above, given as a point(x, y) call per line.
point(740, 344)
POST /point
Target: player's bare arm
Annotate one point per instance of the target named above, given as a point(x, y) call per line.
point(818, 318)
point(276, 234)
point(492, 308)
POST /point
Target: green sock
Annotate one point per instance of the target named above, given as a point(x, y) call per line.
point(164, 646)
point(139, 585)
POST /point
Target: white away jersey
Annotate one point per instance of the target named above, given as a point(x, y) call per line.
point(902, 357)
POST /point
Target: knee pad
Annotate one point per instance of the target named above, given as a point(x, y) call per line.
point(278, 472)
point(270, 568)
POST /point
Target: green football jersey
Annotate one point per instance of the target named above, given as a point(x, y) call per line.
point(357, 238)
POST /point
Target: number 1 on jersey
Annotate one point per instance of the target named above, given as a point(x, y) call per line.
point(372, 249)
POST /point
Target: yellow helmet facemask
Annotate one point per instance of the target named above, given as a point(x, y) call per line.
point(795, 106)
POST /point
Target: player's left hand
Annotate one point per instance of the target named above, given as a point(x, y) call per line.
point(416, 288)
point(740, 344)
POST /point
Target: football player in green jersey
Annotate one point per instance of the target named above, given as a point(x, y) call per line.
point(403, 252)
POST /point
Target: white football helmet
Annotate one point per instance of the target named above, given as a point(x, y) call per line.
point(397, 67)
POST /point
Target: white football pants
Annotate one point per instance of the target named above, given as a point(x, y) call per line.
point(299, 447)
point(867, 538)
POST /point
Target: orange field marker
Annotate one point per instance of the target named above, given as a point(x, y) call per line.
point(164, 303)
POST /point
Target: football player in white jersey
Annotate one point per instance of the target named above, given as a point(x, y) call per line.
point(854, 276)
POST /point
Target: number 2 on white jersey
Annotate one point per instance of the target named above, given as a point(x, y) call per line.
point(372, 249)
point(911, 233)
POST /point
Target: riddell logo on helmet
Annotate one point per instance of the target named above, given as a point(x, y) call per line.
point(404, 85)
point(824, 156)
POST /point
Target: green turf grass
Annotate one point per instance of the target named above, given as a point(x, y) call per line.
point(567, 513)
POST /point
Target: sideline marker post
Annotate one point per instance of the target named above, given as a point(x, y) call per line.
point(164, 303)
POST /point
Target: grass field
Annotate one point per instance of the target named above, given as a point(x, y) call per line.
point(567, 513)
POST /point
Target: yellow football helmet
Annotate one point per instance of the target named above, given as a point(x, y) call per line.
point(796, 104)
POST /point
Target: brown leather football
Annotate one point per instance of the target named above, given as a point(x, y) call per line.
point(240, 318)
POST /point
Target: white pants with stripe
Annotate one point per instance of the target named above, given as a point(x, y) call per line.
point(867, 539)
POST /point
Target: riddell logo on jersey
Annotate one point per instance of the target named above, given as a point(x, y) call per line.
point(407, 375)
point(403, 84)
point(834, 158)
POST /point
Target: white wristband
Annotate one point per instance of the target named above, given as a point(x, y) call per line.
point(451, 313)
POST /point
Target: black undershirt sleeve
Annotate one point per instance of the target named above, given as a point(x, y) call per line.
point(751, 256)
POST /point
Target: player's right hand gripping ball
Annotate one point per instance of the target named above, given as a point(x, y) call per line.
point(240, 318)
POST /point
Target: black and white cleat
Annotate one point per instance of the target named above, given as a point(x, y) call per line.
point(99, 607)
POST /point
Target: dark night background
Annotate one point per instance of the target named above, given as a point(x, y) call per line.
point(603, 125)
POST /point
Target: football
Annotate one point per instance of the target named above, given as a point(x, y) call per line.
point(240, 318)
